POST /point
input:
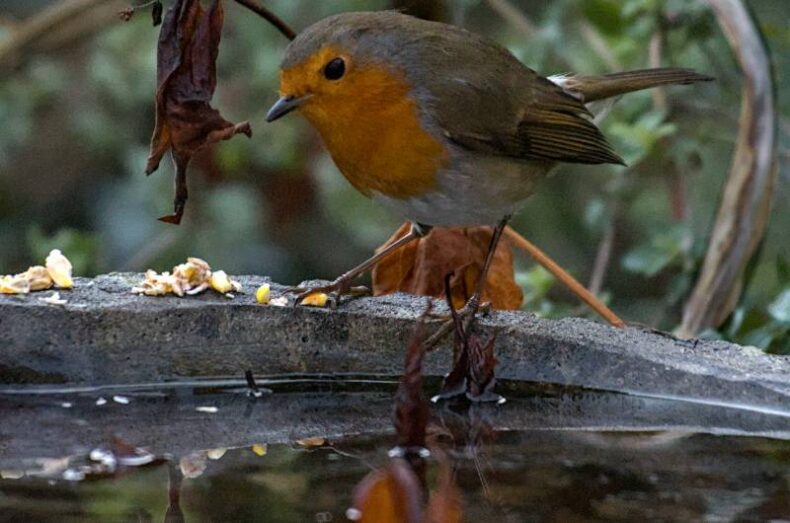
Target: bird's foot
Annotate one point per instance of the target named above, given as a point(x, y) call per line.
point(463, 313)
point(334, 290)
point(465, 316)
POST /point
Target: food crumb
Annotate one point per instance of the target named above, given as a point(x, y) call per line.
point(263, 294)
point(317, 299)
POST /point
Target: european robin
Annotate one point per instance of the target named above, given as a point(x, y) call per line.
point(440, 124)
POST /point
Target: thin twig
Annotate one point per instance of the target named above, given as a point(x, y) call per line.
point(253, 390)
point(597, 43)
point(272, 18)
point(675, 182)
point(514, 16)
point(656, 51)
point(563, 276)
point(27, 33)
point(604, 255)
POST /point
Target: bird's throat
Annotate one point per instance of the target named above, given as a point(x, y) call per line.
point(374, 134)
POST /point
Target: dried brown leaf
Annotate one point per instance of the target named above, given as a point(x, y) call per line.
point(186, 80)
point(420, 267)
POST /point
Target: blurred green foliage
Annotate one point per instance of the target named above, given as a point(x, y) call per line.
point(77, 120)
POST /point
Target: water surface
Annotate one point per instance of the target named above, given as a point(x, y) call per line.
point(549, 454)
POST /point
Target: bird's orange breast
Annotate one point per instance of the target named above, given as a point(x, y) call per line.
point(371, 127)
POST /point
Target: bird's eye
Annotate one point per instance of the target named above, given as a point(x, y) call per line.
point(335, 69)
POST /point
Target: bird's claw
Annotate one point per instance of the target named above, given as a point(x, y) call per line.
point(466, 316)
point(484, 309)
point(334, 291)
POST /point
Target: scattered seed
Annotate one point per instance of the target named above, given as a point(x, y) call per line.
point(311, 442)
point(215, 454)
point(317, 299)
point(282, 301)
point(55, 299)
point(263, 294)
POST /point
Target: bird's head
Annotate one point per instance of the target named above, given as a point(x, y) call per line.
point(340, 65)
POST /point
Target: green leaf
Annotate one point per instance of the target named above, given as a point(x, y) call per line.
point(595, 215)
point(536, 282)
point(783, 270)
point(763, 337)
point(781, 342)
point(604, 14)
point(780, 307)
point(661, 251)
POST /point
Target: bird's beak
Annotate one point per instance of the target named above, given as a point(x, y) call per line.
point(285, 105)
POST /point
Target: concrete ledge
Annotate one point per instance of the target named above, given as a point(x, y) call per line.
point(106, 335)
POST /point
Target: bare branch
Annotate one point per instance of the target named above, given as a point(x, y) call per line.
point(29, 33)
point(272, 18)
point(656, 51)
point(604, 255)
point(515, 17)
point(746, 203)
point(597, 43)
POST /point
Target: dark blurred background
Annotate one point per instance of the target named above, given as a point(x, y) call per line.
point(76, 108)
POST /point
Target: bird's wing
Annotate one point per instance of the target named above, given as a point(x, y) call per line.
point(548, 125)
point(484, 100)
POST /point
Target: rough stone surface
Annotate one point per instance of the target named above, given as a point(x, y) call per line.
point(106, 335)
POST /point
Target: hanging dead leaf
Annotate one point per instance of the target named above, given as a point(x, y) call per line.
point(186, 80)
point(420, 267)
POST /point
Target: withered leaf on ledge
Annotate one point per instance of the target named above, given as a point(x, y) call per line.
point(420, 267)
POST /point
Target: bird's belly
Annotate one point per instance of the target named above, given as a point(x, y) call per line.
point(473, 192)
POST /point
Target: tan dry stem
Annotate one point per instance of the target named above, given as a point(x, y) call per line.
point(745, 207)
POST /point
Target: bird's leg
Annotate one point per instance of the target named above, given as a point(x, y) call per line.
point(342, 284)
point(472, 305)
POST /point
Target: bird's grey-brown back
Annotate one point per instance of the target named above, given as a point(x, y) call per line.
point(438, 60)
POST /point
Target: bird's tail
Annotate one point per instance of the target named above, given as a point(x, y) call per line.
point(592, 88)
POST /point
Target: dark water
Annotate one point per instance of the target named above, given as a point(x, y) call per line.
point(549, 454)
